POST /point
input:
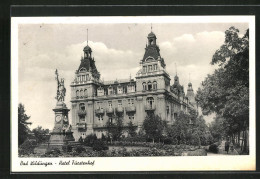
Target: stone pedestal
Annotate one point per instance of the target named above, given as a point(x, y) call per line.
point(61, 134)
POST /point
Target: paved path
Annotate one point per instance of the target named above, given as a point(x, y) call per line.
point(221, 150)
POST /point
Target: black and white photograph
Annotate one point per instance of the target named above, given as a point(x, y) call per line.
point(124, 93)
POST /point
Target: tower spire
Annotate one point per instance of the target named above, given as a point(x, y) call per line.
point(151, 27)
point(87, 36)
point(176, 69)
point(189, 77)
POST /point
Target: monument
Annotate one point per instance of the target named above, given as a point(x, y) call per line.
point(61, 134)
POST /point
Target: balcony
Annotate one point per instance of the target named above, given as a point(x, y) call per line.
point(81, 125)
point(100, 111)
point(110, 110)
point(149, 107)
point(119, 109)
point(99, 126)
point(130, 109)
point(82, 112)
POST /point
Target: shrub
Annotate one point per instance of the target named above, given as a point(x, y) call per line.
point(198, 152)
point(89, 140)
point(213, 148)
point(99, 145)
point(168, 141)
point(79, 149)
point(80, 140)
point(67, 148)
point(53, 152)
point(26, 148)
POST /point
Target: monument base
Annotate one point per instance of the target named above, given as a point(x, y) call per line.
point(59, 139)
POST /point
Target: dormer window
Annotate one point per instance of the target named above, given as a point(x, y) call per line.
point(155, 67)
point(150, 68)
point(110, 90)
point(130, 88)
point(100, 91)
point(145, 69)
point(120, 89)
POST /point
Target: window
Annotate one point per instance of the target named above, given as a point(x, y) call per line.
point(150, 101)
point(130, 102)
point(77, 93)
point(110, 90)
point(82, 106)
point(144, 86)
point(155, 67)
point(130, 88)
point(149, 86)
point(78, 78)
point(86, 93)
point(150, 68)
point(145, 69)
point(154, 85)
point(99, 105)
point(131, 117)
point(87, 77)
point(167, 110)
point(110, 104)
point(175, 115)
point(100, 91)
point(100, 118)
point(119, 89)
point(83, 77)
point(81, 93)
point(119, 103)
point(110, 119)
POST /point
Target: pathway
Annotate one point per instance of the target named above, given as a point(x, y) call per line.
point(221, 150)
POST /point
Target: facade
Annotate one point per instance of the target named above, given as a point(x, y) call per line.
point(94, 102)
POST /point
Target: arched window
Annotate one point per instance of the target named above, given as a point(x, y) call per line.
point(149, 86)
point(119, 89)
point(144, 86)
point(86, 93)
point(150, 101)
point(77, 93)
point(81, 93)
point(82, 106)
point(154, 85)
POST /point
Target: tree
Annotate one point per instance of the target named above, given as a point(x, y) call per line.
point(23, 123)
point(41, 134)
point(131, 129)
point(226, 91)
point(115, 128)
point(180, 130)
point(153, 126)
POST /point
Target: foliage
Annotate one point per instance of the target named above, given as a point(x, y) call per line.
point(131, 129)
point(23, 123)
point(67, 148)
point(180, 130)
point(213, 148)
point(26, 147)
point(41, 134)
point(99, 145)
point(53, 152)
point(80, 140)
point(115, 128)
point(226, 91)
point(79, 149)
point(153, 126)
point(89, 140)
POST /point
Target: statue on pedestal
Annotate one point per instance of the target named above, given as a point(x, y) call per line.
point(61, 134)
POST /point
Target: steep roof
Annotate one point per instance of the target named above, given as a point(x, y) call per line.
point(152, 51)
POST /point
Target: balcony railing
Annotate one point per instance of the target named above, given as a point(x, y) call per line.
point(130, 109)
point(149, 107)
point(82, 112)
point(99, 126)
point(110, 110)
point(81, 125)
point(119, 109)
point(100, 111)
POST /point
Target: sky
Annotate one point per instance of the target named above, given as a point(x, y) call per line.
point(117, 49)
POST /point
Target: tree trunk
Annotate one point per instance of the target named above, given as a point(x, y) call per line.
point(153, 140)
point(238, 136)
point(245, 142)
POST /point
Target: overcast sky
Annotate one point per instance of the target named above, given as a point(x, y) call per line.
point(117, 49)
